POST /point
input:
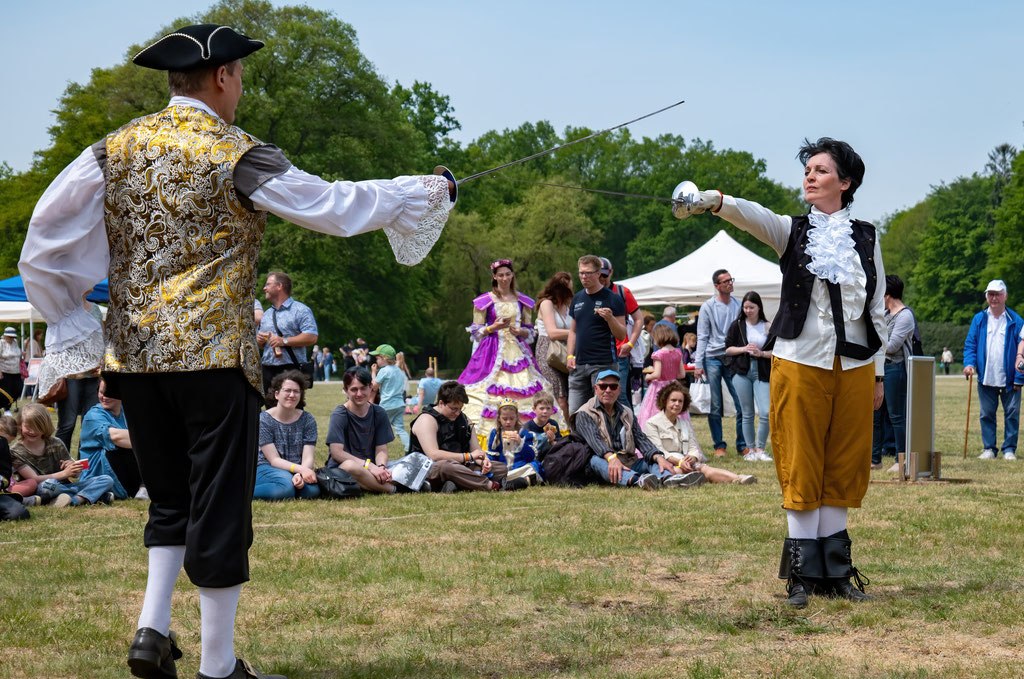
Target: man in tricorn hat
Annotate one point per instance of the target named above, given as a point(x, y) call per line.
point(174, 204)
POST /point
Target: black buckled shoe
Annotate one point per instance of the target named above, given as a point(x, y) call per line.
point(801, 567)
point(152, 654)
point(243, 670)
point(836, 553)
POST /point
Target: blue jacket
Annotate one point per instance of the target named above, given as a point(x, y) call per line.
point(975, 345)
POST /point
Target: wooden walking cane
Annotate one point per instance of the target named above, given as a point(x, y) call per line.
point(967, 425)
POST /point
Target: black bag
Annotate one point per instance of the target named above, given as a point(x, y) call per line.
point(567, 462)
point(916, 348)
point(337, 483)
point(305, 367)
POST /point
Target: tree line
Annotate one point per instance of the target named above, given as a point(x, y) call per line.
point(313, 93)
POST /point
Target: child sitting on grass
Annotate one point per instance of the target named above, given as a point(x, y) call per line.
point(39, 455)
point(506, 443)
point(543, 426)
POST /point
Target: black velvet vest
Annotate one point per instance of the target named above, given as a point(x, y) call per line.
point(797, 282)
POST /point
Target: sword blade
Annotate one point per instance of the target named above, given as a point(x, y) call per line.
point(605, 192)
point(551, 150)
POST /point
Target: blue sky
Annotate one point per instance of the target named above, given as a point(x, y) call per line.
point(923, 90)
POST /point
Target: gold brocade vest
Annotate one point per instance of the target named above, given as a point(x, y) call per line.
point(183, 249)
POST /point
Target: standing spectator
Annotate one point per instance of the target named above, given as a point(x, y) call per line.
point(946, 360)
point(40, 455)
point(598, 320)
point(426, 390)
point(713, 322)
point(284, 465)
point(502, 365)
point(390, 383)
point(402, 365)
point(553, 326)
point(634, 326)
point(362, 353)
point(257, 311)
point(287, 328)
point(327, 359)
point(668, 319)
point(890, 428)
point(33, 346)
point(107, 445)
point(10, 365)
point(180, 348)
point(667, 367)
point(989, 354)
point(639, 356)
point(349, 361)
point(82, 386)
point(749, 356)
point(318, 364)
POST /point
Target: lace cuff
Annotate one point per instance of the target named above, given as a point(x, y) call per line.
point(86, 355)
point(476, 331)
point(412, 241)
point(72, 329)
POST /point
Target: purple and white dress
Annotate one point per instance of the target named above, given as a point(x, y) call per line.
point(502, 365)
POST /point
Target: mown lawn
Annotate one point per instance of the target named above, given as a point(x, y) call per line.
point(551, 582)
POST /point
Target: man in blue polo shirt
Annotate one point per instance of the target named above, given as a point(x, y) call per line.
point(286, 329)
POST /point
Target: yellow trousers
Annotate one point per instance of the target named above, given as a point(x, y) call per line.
point(821, 424)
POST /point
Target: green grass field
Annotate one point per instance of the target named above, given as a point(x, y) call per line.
point(549, 582)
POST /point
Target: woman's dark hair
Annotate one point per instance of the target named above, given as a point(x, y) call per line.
point(667, 390)
point(558, 289)
point(756, 299)
point(452, 392)
point(848, 164)
point(894, 286)
point(357, 373)
point(277, 384)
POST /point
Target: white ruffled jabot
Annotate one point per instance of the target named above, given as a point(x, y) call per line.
point(830, 247)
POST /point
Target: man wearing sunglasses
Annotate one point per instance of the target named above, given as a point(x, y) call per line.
point(622, 453)
point(716, 315)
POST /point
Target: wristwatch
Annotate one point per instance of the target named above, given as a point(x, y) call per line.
point(285, 340)
point(879, 378)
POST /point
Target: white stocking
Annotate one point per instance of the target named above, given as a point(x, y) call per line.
point(217, 607)
point(802, 525)
point(164, 565)
point(831, 521)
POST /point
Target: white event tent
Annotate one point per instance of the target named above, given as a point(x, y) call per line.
point(687, 282)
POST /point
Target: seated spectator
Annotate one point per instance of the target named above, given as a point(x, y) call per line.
point(41, 456)
point(284, 468)
point(444, 434)
point(26, 488)
point(670, 428)
point(622, 453)
point(516, 448)
point(426, 390)
point(359, 433)
point(12, 507)
point(108, 447)
point(544, 427)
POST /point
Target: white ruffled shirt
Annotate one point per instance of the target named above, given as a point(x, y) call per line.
point(831, 248)
point(66, 252)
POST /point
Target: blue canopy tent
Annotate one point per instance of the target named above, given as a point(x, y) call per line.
point(13, 290)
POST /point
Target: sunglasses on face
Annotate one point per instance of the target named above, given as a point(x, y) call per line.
point(607, 387)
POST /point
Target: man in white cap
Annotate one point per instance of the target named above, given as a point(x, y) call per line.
point(668, 319)
point(10, 367)
point(991, 352)
point(174, 205)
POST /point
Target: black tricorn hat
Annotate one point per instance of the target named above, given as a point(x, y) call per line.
point(196, 46)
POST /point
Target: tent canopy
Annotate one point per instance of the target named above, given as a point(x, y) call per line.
point(19, 312)
point(13, 290)
point(688, 281)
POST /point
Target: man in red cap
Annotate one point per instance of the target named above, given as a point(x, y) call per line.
point(174, 205)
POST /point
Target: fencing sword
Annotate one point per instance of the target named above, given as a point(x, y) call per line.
point(445, 172)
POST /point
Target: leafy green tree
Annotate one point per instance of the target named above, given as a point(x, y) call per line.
point(1008, 244)
point(949, 274)
point(901, 241)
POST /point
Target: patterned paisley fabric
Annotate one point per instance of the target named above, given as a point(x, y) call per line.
point(183, 249)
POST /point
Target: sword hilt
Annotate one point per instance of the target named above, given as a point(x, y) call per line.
point(447, 174)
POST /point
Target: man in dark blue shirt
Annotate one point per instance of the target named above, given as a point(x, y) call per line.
point(598, 319)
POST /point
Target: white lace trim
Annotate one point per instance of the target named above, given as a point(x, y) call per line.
point(411, 248)
point(830, 247)
point(70, 330)
point(86, 355)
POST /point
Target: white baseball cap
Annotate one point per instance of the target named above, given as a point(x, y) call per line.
point(996, 286)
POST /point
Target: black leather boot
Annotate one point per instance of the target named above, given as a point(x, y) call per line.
point(801, 567)
point(839, 568)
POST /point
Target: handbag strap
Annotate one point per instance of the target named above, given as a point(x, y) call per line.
point(273, 316)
